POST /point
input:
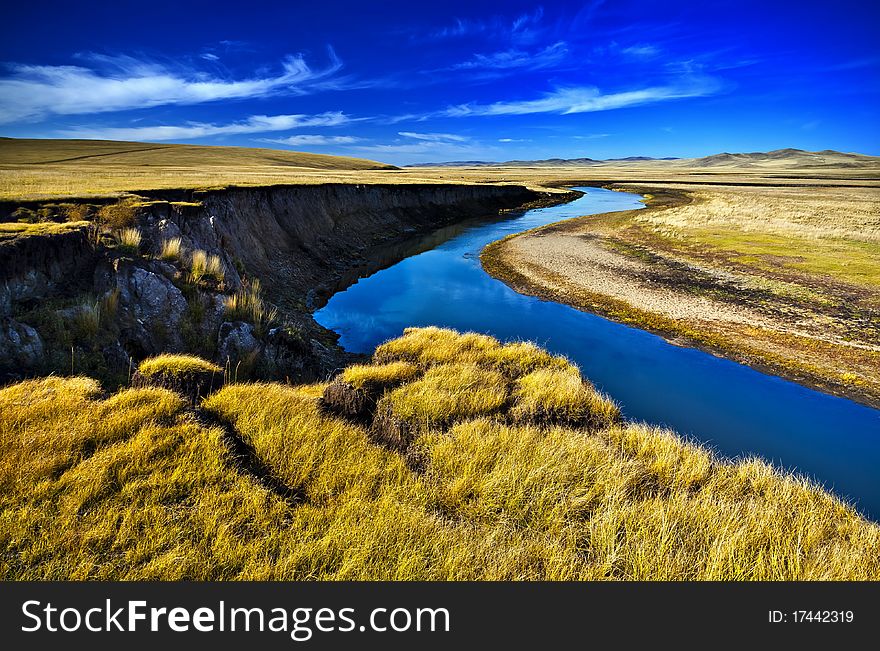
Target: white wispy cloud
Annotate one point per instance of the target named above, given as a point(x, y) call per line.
point(854, 64)
point(585, 99)
point(458, 28)
point(514, 140)
point(189, 130)
point(516, 59)
point(313, 139)
point(33, 92)
point(523, 28)
point(644, 50)
point(434, 137)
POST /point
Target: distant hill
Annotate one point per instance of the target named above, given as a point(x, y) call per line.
point(780, 158)
point(547, 162)
point(784, 158)
point(42, 169)
point(113, 153)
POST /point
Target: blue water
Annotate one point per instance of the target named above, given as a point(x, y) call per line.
point(734, 409)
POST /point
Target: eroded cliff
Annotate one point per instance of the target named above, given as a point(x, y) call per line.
point(82, 301)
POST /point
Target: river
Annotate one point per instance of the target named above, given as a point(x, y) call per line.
point(731, 408)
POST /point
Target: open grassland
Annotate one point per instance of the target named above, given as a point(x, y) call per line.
point(42, 170)
point(786, 279)
point(478, 477)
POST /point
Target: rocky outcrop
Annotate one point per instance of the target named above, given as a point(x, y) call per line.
point(21, 348)
point(150, 310)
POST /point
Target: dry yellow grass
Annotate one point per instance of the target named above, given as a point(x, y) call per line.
point(172, 250)
point(365, 375)
point(40, 169)
point(247, 304)
point(9, 230)
point(176, 365)
point(560, 395)
point(203, 265)
point(832, 213)
point(135, 487)
point(52, 169)
point(128, 240)
point(449, 392)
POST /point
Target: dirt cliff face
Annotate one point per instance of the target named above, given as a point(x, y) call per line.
point(32, 268)
point(302, 242)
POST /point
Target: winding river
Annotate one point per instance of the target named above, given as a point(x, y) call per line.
point(730, 407)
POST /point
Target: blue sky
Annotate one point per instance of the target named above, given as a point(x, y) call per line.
point(408, 82)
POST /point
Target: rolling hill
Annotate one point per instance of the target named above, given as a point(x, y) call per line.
point(36, 169)
point(780, 158)
point(15, 151)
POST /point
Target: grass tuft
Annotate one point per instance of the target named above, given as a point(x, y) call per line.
point(190, 376)
point(176, 365)
point(117, 216)
point(449, 392)
point(248, 305)
point(128, 240)
point(86, 323)
point(523, 357)
point(172, 250)
point(204, 266)
point(434, 345)
point(383, 375)
point(556, 396)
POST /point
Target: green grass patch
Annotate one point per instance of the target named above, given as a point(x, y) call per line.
point(846, 260)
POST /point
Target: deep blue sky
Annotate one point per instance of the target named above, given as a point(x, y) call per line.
point(412, 81)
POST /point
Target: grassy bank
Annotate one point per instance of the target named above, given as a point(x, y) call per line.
point(447, 457)
point(783, 279)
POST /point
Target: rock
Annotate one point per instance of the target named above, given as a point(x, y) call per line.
point(214, 314)
point(236, 343)
point(21, 348)
point(151, 309)
point(167, 229)
point(38, 267)
point(115, 356)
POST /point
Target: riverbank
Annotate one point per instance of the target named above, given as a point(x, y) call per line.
point(782, 279)
point(232, 275)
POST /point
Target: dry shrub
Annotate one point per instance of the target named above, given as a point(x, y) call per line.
point(247, 305)
point(117, 216)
